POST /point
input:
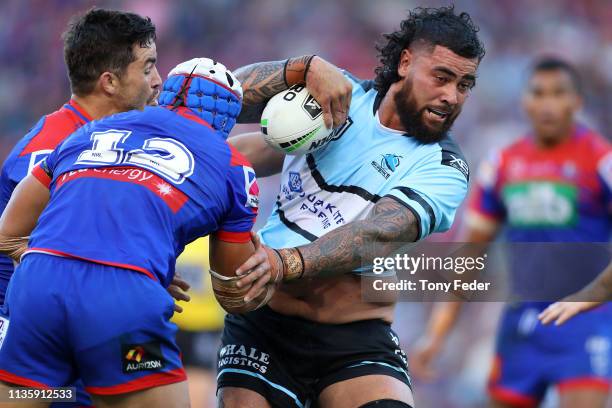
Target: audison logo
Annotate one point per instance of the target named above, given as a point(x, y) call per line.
point(142, 357)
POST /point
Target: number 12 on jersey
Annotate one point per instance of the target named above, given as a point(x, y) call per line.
point(164, 156)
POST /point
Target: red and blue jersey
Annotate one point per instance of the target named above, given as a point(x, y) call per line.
point(560, 194)
point(133, 189)
point(49, 132)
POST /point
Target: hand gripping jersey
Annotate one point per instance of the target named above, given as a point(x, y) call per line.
point(50, 131)
point(362, 162)
point(133, 189)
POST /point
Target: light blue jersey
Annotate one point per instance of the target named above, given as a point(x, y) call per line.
point(363, 162)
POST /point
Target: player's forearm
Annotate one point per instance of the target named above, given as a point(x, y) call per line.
point(357, 243)
point(443, 319)
point(600, 290)
point(265, 160)
point(262, 80)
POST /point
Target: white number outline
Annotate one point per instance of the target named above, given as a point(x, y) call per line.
point(176, 164)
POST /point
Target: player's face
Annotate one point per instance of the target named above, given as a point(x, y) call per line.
point(140, 83)
point(551, 102)
point(435, 85)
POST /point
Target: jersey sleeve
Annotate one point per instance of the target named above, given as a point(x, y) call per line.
point(7, 182)
point(243, 193)
point(43, 171)
point(433, 191)
point(485, 204)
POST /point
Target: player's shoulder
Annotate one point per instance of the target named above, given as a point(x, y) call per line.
point(597, 144)
point(51, 130)
point(444, 154)
point(359, 85)
point(452, 155)
point(521, 145)
point(363, 89)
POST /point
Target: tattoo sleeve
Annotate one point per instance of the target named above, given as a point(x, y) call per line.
point(349, 247)
point(262, 80)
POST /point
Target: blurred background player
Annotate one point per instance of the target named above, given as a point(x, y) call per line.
point(127, 193)
point(200, 325)
point(549, 186)
point(110, 57)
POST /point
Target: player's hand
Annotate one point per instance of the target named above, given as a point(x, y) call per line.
point(422, 357)
point(562, 311)
point(262, 269)
point(331, 89)
point(177, 289)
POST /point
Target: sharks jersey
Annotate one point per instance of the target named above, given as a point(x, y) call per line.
point(362, 162)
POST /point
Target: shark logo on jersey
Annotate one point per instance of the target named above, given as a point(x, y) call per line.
point(391, 161)
point(251, 187)
point(312, 107)
point(388, 164)
point(295, 182)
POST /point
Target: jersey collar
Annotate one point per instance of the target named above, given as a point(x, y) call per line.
point(78, 110)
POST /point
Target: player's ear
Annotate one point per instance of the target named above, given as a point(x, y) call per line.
point(109, 83)
point(404, 63)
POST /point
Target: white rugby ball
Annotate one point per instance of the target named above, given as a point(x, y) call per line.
point(292, 122)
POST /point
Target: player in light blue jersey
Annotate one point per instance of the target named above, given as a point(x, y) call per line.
point(391, 173)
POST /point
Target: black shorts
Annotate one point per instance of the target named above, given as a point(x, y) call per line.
point(199, 349)
point(290, 360)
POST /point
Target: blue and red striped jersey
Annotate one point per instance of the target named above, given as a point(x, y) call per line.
point(48, 132)
point(133, 189)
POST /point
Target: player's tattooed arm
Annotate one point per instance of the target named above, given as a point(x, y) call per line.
point(325, 82)
point(349, 247)
point(262, 80)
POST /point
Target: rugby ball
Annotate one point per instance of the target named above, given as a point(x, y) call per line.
point(292, 122)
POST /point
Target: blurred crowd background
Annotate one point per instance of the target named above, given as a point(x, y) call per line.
point(33, 82)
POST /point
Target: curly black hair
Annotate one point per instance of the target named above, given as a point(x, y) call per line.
point(102, 40)
point(436, 26)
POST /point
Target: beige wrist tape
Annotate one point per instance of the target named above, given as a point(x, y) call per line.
point(230, 296)
point(13, 247)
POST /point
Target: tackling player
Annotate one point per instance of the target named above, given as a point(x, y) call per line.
point(390, 173)
point(551, 186)
point(115, 75)
point(125, 194)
